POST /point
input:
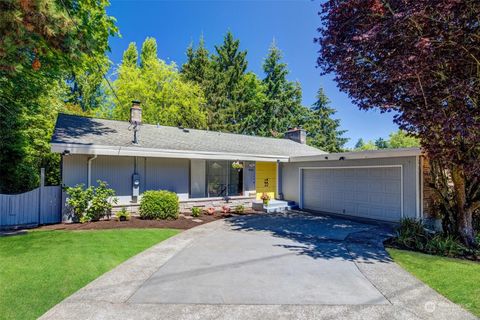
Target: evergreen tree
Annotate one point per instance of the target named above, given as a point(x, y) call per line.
point(230, 61)
point(360, 144)
point(322, 130)
point(283, 97)
point(198, 65)
point(381, 143)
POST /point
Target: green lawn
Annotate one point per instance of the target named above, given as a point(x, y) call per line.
point(41, 268)
point(456, 279)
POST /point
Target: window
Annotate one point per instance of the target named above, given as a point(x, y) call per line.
point(223, 180)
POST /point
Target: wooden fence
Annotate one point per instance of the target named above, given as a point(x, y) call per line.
point(38, 206)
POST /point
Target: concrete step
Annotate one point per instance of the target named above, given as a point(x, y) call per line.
point(274, 206)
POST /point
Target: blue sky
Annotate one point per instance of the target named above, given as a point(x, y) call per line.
point(292, 23)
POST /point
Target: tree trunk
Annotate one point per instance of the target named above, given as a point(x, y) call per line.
point(464, 211)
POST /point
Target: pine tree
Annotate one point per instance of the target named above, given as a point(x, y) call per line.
point(283, 104)
point(360, 144)
point(322, 130)
point(228, 69)
point(198, 65)
point(381, 143)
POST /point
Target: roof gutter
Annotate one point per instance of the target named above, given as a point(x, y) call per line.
point(160, 153)
point(352, 155)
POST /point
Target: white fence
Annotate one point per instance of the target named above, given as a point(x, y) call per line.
point(39, 206)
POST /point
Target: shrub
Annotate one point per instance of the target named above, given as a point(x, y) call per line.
point(101, 202)
point(123, 215)
point(196, 212)
point(210, 211)
point(92, 203)
point(160, 204)
point(78, 200)
point(411, 234)
point(445, 245)
point(240, 209)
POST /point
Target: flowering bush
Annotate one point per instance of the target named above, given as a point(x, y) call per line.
point(226, 209)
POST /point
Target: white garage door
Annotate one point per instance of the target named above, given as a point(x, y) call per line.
point(373, 193)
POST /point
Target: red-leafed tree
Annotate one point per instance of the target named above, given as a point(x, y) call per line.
point(421, 59)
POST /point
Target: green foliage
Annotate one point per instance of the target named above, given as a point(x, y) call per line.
point(92, 203)
point(401, 139)
point(196, 211)
point(283, 97)
point(362, 145)
point(167, 99)
point(160, 204)
point(322, 130)
point(123, 214)
point(445, 245)
point(381, 143)
point(101, 202)
point(411, 234)
point(398, 139)
point(48, 57)
point(78, 200)
point(240, 209)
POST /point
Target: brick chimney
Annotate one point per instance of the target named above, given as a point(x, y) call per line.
point(297, 134)
point(135, 119)
point(135, 113)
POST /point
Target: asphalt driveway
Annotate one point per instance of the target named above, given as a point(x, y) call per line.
point(288, 266)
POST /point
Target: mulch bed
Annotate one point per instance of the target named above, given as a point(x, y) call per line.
point(182, 223)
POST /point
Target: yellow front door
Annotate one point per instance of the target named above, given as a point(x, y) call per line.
point(266, 179)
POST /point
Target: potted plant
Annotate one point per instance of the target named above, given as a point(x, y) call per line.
point(266, 198)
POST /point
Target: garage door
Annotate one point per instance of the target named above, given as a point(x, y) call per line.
point(373, 193)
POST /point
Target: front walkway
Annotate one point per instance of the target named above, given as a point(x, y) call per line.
point(295, 266)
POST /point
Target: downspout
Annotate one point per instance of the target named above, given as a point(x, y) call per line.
point(89, 170)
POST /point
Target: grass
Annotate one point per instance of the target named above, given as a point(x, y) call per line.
point(41, 268)
point(458, 280)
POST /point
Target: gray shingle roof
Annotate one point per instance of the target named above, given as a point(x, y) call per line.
point(71, 129)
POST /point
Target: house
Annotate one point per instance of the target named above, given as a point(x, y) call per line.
point(206, 167)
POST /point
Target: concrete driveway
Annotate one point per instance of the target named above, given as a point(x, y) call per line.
point(292, 266)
